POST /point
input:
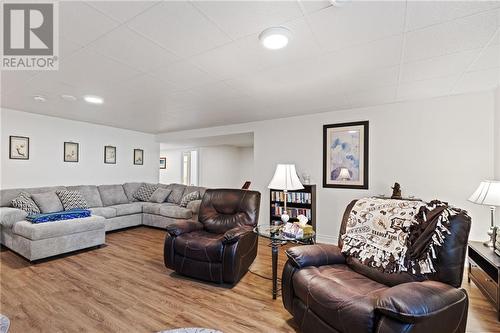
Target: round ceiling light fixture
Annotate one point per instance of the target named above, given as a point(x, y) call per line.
point(69, 98)
point(39, 98)
point(92, 99)
point(275, 38)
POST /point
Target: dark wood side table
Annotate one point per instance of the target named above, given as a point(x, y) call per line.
point(484, 271)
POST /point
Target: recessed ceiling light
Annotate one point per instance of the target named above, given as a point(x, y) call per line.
point(39, 98)
point(69, 98)
point(275, 38)
point(92, 99)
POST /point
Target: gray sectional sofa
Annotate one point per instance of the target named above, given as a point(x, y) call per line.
point(113, 207)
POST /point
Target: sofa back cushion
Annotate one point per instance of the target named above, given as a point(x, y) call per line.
point(130, 189)
point(112, 195)
point(7, 195)
point(224, 209)
point(177, 192)
point(191, 189)
point(48, 202)
point(90, 193)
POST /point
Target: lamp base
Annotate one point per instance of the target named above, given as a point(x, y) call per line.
point(491, 241)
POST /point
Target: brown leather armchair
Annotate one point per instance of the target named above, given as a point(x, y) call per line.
point(221, 245)
point(326, 291)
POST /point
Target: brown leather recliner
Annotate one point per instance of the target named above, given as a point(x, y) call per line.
point(326, 291)
point(221, 245)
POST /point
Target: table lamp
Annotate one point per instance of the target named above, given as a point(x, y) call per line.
point(488, 194)
point(285, 179)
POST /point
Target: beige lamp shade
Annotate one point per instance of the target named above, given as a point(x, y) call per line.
point(344, 174)
point(285, 178)
point(488, 193)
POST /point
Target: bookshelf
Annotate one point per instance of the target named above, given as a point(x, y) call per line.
point(299, 202)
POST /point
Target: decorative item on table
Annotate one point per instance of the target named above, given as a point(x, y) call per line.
point(396, 191)
point(307, 229)
point(306, 178)
point(496, 246)
point(292, 230)
point(488, 194)
point(285, 179)
point(345, 155)
point(71, 151)
point(19, 147)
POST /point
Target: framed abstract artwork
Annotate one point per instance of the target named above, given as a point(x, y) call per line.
point(109, 154)
point(19, 147)
point(70, 152)
point(138, 156)
point(163, 162)
point(345, 155)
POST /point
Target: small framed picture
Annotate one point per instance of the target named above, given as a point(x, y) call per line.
point(19, 148)
point(163, 162)
point(109, 154)
point(138, 156)
point(70, 152)
point(345, 155)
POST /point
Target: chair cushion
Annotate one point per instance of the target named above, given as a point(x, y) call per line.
point(175, 212)
point(90, 193)
point(106, 212)
point(128, 209)
point(48, 202)
point(200, 245)
point(343, 298)
point(35, 231)
point(112, 195)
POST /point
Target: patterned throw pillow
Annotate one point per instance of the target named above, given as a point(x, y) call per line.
point(72, 200)
point(145, 191)
point(189, 197)
point(23, 201)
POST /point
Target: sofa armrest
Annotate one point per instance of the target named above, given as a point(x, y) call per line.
point(415, 301)
point(315, 255)
point(9, 216)
point(194, 206)
point(233, 235)
point(182, 227)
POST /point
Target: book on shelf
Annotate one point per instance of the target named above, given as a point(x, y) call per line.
point(292, 212)
point(292, 197)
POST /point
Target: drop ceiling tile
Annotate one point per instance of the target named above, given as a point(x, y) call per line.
point(357, 22)
point(426, 13)
point(370, 97)
point(468, 33)
point(14, 80)
point(132, 49)
point(81, 24)
point(489, 58)
point(216, 92)
point(311, 6)
point(179, 27)
point(241, 18)
point(183, 75)
point(142, 87)
point(122, 11)
point(426, 88)
point(478, 81)
point(447, 65)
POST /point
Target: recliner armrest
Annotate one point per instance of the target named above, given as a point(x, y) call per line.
point(182, 227)
point(415, 301)
point(315, 255)
point(234, 234)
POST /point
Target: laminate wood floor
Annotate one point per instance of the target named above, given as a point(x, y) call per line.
point(124, 287)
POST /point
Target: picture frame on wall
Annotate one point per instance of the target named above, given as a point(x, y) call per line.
point(138, 156)
point(19, 147)
point(163, 162)
point(109, 154)
point(71, 152)
point(345, 155)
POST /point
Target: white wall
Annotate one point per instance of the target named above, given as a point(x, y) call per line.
point(497, 134)
point(173, 172)
point(246, 165)
point(437, 148)
point(46, 166)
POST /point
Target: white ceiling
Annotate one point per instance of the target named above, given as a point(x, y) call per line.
point(166, 66)
point(235, 140)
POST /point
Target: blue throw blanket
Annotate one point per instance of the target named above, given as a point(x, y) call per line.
point(58, 216)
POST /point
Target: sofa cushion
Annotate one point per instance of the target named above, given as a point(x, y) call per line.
point(128, 209)
point(177, 193)
point(175, 212)
point(190, 189)
point(72, 200)
point(106, 212)
point(200, 245)
point(194, 206)
point(145, 191)
point(130, 189)
point(189, 197)
point(9, 216)
point(112, 195)
point(7, 195)
point(160, 195)
point(343, 298)
point(58, 228)
point(24, 202)
point(90, 193)
point(152, 208)
point(48, 202)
